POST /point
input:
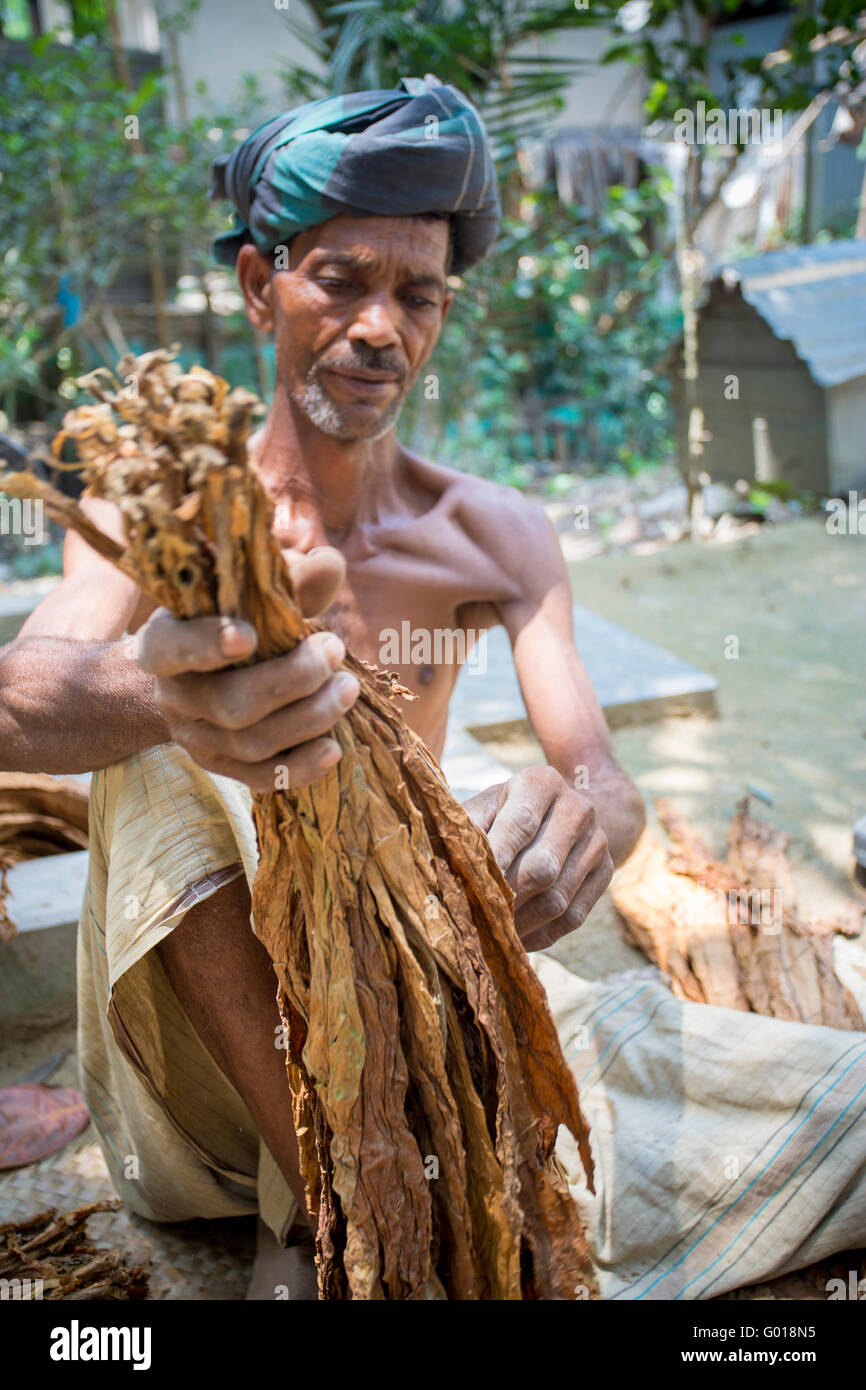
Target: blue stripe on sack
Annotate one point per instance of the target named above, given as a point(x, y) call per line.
point(570, 1056)
point(783, 1125)
point(759, 1175)
point(793, 1194)
point(644, 1018)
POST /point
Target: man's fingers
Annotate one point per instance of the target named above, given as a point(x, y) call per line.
point(565, 835)
point(239, 698)
point(577, 912)
point(292, 768)
point(557, 900)
point(317, 577)
point(296, 723)
point(519, 820)
point(168, 646)
point(288, 727)
point(483, 806)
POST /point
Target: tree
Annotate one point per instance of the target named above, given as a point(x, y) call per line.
point(95, 183)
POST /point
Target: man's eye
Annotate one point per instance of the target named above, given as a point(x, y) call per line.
point(333, 282)
point(418, 299)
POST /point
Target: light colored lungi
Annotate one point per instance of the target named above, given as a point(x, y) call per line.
point(178, 1140)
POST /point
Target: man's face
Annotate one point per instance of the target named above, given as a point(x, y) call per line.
point(356, 317)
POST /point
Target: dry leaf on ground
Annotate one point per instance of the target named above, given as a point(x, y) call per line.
point(36, 1121)
point(51, 1257)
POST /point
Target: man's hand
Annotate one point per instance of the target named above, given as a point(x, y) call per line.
point(244, 723)
point(550, 848)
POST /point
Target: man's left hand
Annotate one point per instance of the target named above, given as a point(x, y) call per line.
point(550, 848)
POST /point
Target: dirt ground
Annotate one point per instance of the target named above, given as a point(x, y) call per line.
point(791, 701)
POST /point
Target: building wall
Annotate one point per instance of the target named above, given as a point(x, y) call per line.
point(846, 410)
point(227, 39)
point(773, 385)
point(600, 96)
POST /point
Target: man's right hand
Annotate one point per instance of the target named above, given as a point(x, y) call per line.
point(247, 722)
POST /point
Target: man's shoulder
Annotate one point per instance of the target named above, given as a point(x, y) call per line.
point(488, 507)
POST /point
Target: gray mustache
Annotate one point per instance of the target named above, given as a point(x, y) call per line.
point(374, 361)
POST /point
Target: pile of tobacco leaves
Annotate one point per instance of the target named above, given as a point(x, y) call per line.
point(729, 932)
point(51, 1257)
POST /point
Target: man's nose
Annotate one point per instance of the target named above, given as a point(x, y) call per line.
point(376, 322)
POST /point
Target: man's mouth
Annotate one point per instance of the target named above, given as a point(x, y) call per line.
point(365, 380)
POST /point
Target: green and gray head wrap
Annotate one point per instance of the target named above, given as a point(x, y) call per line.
point(420, 148)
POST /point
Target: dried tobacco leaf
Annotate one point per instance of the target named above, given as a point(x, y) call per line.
point(427, 1077)
point(36, 1121)
point(729, 933)
point(52, 1257)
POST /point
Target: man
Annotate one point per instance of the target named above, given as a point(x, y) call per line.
point(352, 212)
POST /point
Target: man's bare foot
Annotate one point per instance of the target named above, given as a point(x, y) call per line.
point(283, 1272)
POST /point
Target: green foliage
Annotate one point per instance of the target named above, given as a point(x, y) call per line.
point(673, 45)
point(552, 348)
point(95, 186)
point(89, 17)
point(476, 45)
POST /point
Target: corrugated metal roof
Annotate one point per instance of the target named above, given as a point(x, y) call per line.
point(814, 296)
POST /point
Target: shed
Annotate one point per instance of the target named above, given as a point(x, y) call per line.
point(782, 369)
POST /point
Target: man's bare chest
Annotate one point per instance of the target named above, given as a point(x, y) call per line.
point(406, 618)
point(417, 599)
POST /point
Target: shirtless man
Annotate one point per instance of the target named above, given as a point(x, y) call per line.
point(375, 535)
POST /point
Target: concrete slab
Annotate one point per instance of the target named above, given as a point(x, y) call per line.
point(37, 967)
point(47, 892)
point(467, 765)
point(635, 680)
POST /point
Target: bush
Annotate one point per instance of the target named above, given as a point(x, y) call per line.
point(552, 350)
point(100, 198)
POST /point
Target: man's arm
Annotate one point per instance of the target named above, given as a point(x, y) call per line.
point(561, 703)
point(71, 700)
point(75, 695)
point(557, 831)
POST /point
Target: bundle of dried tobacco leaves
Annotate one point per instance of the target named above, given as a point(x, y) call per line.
point(729, 932)
point(427, 1077)
point(52, 1257)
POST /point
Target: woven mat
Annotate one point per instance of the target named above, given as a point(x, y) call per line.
point(188, 1260)
point(211, 1259)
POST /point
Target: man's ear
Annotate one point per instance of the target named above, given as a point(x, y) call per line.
point(254, 273)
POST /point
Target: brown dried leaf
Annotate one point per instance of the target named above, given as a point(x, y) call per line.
point(57, 1252)
point(36, 1121)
